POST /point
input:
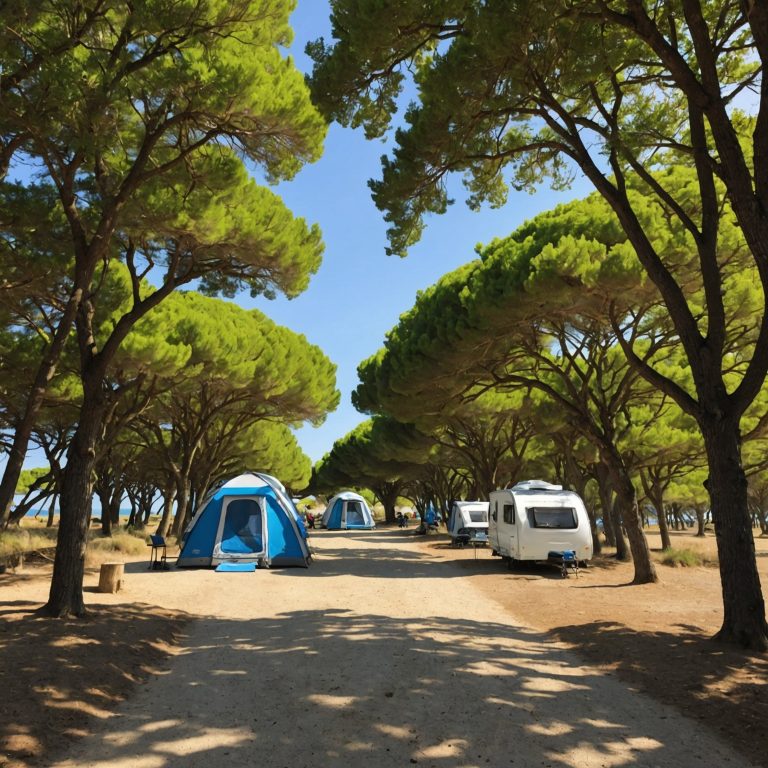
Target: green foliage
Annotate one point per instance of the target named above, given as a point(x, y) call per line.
point(377, 451)
point(28, 477)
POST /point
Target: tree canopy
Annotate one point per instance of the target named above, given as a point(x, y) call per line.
point(136, 119)
point(514, 93)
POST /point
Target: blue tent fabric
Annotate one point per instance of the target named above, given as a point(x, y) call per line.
point(236, 567)
point(335, 519)
point(249, 519)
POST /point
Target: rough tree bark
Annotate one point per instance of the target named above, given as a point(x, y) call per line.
point(66, 594)
point(744, 609)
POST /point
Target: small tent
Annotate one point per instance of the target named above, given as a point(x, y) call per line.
point(249, 519)
point(347, 510)
point(467, 518)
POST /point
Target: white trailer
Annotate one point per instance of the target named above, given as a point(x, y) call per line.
point(468, 520)
point(534, 519)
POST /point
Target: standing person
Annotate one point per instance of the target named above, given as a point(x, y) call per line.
point(310, 520)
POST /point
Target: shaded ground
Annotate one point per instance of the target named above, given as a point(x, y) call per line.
point(58, 676)
point(388, 650)
point(655, 637)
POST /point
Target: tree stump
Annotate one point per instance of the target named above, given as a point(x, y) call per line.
point(110, 577)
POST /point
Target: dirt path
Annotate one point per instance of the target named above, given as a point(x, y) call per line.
point(382, 654)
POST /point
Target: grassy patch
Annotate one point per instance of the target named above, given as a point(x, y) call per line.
point(100, 548)
point(686, 557)
point(17, 540)
point(103, 548)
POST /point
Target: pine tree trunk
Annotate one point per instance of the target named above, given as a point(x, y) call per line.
point(51, 510)
point(387, 494)
point(645, 570)
point(66, 594)
point(743, 606)
point(169, 494)
point(182, 504)
point(605, 492)
point(656, 495)
point(626, 496)
point(700, 520)
point(114, 506)
point(619, 539)
point(106, 518)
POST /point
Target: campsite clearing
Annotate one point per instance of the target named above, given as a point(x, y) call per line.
point(391, 648)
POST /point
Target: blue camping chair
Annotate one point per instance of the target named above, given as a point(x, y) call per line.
point(564, 560)
point(158, 556)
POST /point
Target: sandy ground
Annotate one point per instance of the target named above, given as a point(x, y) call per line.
point(391, 649)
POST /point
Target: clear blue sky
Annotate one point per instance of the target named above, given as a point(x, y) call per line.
point(359, 292)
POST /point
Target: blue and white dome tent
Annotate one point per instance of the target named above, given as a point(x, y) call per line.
point(348, 511)
point(249, 519)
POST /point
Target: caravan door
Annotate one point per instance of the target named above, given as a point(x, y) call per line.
point(242, 531)
point(508, 520)
point(502, 526)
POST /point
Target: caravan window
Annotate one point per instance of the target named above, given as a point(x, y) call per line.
point(478, 516)
point(552, 517)
point(355, 513)
point(509, 514)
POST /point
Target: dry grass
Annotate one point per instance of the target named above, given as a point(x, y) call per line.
point(33, 536)
point(686, 557)
point(104, 548)
point(16, 541)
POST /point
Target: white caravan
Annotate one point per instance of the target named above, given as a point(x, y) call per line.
point(534, 518)
point(467, 520)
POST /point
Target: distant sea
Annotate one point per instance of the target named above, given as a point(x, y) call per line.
point(43, 511)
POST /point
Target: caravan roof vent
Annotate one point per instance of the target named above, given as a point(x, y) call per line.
point(536, 485)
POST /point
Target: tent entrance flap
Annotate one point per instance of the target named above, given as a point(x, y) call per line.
point(241, 531)
point(354, 514)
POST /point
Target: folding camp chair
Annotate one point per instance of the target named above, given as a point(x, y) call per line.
point(158, 556)
point(564, 560)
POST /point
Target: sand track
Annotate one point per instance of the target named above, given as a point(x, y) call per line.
point(383, 654)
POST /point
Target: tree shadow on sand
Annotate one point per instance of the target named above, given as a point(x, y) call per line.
point(57, 678)
point(334, 688)
point(724, 688)
point(412, 561)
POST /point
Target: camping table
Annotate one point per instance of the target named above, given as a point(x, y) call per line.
point(479, 539)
